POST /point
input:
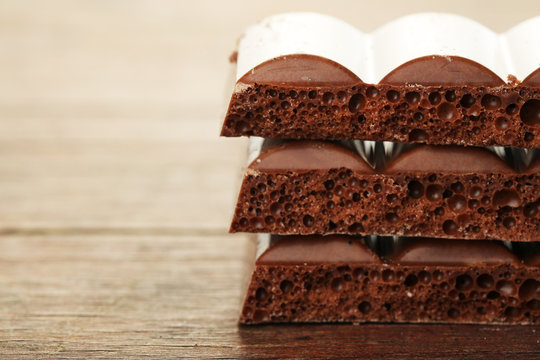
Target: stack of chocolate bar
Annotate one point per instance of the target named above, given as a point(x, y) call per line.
point(393, 176)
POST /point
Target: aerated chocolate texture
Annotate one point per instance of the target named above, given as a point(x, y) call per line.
point(339, 279)
point(316, 187)
point(434, 100)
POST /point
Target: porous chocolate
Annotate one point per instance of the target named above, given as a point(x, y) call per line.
point(317, 187)
point(433, 100)
point(339, 278)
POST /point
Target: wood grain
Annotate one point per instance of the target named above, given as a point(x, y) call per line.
point(167, 296)
point(79, 296)
point(118, 174)
point(116, 192)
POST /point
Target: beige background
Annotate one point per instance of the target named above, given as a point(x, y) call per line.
point(115, 189)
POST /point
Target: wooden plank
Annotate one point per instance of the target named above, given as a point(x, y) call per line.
point(117, 173)
point(170, 297)
point(79, 296)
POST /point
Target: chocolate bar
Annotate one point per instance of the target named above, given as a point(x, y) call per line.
point(339, 278)
point(322, 187)
point(299, 80)
point(382, 157)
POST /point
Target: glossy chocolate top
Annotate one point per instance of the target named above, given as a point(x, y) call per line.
point(442, 70)
point(300, 69)
point(454, 159)
point(452, 252)
point(433, 70)
point(346, 249)
point(533, 79)
point(309, 155)
point(312, 250)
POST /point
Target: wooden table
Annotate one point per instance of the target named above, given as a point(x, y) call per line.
point(116, 191)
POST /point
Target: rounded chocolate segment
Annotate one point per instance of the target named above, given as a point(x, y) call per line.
point(311, 250)
point(533, 80)
point(534, 260)
point(309, 155)
point(453, 252)
point(442, 70)
point(455, 159)
point(301, 70)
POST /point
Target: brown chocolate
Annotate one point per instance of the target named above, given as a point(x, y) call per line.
point(425, 251)
point(534, 260)
point(301, 156)
point(486, 284)
point(441, 71)
point(533, 79)
point(308, 187)
point(316, 249)
point(529, 252)
point(301, 70)
point(451, 159)
point(434, 100)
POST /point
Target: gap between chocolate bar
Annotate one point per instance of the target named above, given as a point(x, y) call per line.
point(379, 153)
point(306, 187)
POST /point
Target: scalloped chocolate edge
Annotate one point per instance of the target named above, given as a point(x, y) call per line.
point(309, 97)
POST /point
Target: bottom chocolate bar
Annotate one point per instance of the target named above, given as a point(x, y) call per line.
point(341, 278)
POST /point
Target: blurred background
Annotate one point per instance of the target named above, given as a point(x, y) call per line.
point(116, 190)
point(110, 110)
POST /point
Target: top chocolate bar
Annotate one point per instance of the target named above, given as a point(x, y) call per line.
point(431, 78)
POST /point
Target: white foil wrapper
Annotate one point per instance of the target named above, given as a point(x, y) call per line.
point(371, 56)
point(379, 153)
point(254, 148)
point(263, 242)
point(518, 158)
